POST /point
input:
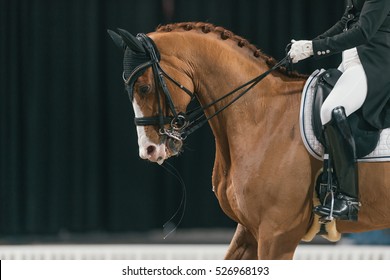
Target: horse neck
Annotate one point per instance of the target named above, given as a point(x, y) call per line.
point(272, 104)
point(214, 67)
point(268, 112)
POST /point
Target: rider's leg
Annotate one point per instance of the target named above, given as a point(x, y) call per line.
point(349, 92)
point(347, 96)
point(341, 147)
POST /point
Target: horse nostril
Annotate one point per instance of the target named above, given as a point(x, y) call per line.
point(150, 150)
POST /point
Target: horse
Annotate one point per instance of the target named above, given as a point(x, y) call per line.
point(263, 176)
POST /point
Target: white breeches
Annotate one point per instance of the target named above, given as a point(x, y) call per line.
point(350, 90)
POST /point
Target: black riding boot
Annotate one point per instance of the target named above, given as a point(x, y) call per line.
point(341, 145)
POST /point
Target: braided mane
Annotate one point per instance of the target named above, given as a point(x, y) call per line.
point(225, 35)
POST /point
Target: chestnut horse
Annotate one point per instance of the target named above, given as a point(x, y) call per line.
point(263, 175)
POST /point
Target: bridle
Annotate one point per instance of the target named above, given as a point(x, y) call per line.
point(182, 124)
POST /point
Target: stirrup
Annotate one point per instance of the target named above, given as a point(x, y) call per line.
point(329, 218)
point(330, 189)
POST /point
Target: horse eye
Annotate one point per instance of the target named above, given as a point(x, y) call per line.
point(144, 89)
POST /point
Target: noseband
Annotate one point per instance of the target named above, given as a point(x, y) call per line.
point(181, 124)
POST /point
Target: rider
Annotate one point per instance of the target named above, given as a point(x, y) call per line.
point(363, 37)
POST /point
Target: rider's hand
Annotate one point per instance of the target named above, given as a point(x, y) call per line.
point(300, 50)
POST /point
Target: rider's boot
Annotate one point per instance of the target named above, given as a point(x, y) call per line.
point(341, 145)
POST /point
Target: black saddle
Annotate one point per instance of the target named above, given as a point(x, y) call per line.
point(366, 136)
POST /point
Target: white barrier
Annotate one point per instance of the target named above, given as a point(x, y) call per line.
point(179, 252)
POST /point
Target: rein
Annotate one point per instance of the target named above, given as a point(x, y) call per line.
point(183, 124)
point(199, 119)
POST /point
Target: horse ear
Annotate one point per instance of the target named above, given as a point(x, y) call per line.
point(133, 43)
point(117, 39)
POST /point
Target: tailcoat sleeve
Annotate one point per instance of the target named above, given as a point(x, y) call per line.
point(336, 40)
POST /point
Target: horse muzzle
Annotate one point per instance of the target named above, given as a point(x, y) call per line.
point(160, 152)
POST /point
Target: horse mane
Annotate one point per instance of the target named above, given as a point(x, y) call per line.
point(225, 35)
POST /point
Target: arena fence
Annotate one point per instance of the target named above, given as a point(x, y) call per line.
point(178, 252)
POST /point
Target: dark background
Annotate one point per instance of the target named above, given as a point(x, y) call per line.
point(68, 147)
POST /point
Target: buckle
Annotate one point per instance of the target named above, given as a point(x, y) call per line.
point(350, 203)
point(180, 122)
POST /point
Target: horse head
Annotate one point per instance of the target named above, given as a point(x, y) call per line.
point(158, 105)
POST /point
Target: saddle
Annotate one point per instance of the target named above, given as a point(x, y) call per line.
point(366, 137)
point(372, 145)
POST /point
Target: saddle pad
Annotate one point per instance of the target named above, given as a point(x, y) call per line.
point(315, 148)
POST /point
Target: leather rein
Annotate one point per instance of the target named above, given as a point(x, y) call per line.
point(183, 124)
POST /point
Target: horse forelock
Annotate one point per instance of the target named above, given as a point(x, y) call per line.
point(225, 34)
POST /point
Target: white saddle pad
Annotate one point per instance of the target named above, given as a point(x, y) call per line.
point(315, 148)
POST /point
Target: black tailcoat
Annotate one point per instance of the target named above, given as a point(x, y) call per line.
point(366, 26)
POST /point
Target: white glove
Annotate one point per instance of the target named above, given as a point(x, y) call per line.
point(300, 50)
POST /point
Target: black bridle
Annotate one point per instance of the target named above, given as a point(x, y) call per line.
point(182, 124)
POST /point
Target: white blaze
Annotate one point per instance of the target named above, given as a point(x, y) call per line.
point(159, 153)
